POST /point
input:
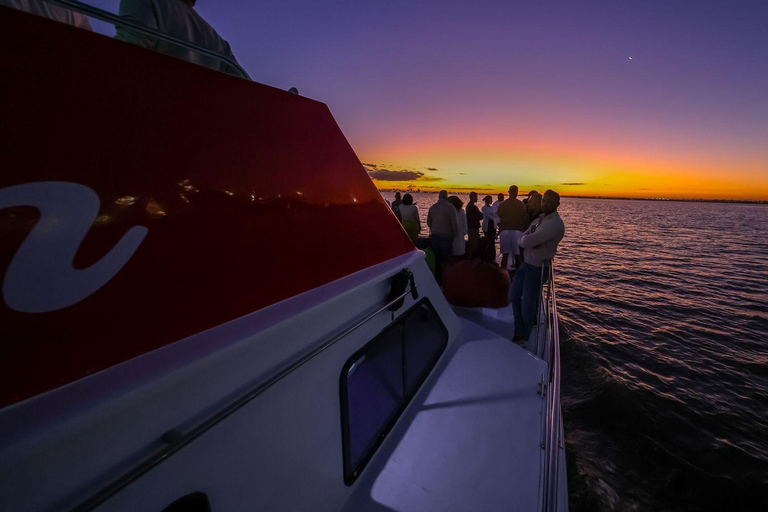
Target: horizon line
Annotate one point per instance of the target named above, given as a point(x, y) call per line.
point(577, 196)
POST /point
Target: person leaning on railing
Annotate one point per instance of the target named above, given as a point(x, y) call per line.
point(540, 243)
point(178, 19)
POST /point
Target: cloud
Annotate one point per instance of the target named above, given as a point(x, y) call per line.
point(573, 184)
point(388, 175)
point(431, 178)
point(372, 166)
point(538, 185)
point(431, 168)
point(462, 174)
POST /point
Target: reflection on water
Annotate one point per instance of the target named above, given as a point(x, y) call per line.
point(664, 308)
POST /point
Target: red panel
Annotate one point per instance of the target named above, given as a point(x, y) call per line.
point(251, 195)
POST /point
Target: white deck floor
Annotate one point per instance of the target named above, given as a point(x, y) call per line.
point(472, 443)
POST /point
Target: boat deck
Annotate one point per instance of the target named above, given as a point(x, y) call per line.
point(474, 441)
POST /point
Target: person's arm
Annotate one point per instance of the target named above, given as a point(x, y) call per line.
point(429, 218)
point(543, 234)
point(455, 222)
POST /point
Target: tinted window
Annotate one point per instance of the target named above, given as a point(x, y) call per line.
point(379, 381)
point(425, 338)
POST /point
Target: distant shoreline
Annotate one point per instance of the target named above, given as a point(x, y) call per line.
point(664, 199)
point(737, 201)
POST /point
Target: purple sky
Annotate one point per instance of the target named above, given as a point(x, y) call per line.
point(554, 76)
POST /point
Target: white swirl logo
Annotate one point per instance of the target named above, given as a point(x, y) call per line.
point(40, 277)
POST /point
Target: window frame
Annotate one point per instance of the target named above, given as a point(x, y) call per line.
point(351, 473)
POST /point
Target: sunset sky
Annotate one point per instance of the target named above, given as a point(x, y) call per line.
point(651, 98)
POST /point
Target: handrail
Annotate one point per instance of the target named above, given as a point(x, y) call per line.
point(176, 440)
point(116, 20)
point(549, 350)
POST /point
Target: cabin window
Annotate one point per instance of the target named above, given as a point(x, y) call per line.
point(379, 380)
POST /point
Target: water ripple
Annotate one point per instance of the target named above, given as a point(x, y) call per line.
point(664, 311)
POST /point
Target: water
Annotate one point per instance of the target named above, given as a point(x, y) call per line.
point(664, 320)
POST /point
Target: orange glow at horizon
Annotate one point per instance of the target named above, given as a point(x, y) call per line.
point(492, 165)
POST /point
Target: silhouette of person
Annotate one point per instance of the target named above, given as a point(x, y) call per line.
point(396, 205)
point(459, 243)
point(511, 217)
point(443, 226)
point(409, 216)
point(490, 220)
point(176, 18)
point(474, 220)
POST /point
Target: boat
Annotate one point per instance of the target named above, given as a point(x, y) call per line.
point(207, 306)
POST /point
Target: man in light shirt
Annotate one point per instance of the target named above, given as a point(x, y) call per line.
point(176, 18)
point(50, 11)
point(511, 217)
point(540, 242)
point(443, 227)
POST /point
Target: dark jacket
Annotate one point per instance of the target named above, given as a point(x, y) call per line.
point(474, 216)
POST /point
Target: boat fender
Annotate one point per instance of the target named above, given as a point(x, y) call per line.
point(400, 282)
point(476, 284)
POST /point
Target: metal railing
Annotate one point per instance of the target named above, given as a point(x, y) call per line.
point(548, 349)
point(119, 21)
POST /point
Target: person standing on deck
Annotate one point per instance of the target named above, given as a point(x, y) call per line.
point(528, 197)
point(443, 226)
point(178, 19)
point(540, 242)
point(459, 243)
point(533, 210)
point(490, 220)
point(409, 217)
point(474, 218)
point(511, 216)
point(496, 204)
point(396, 206)
point(50, 11)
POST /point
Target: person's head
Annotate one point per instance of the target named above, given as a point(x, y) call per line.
point(501, 196)
point(456, 202)
point(513, 191)
point(488, 200)
point(443, 194)
point(534, 203)
point(550, 201)
point(397, 195)
point(532, 192)
point(473, 197)
point(407, 199)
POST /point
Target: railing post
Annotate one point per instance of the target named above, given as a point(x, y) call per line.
point(553, 442)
